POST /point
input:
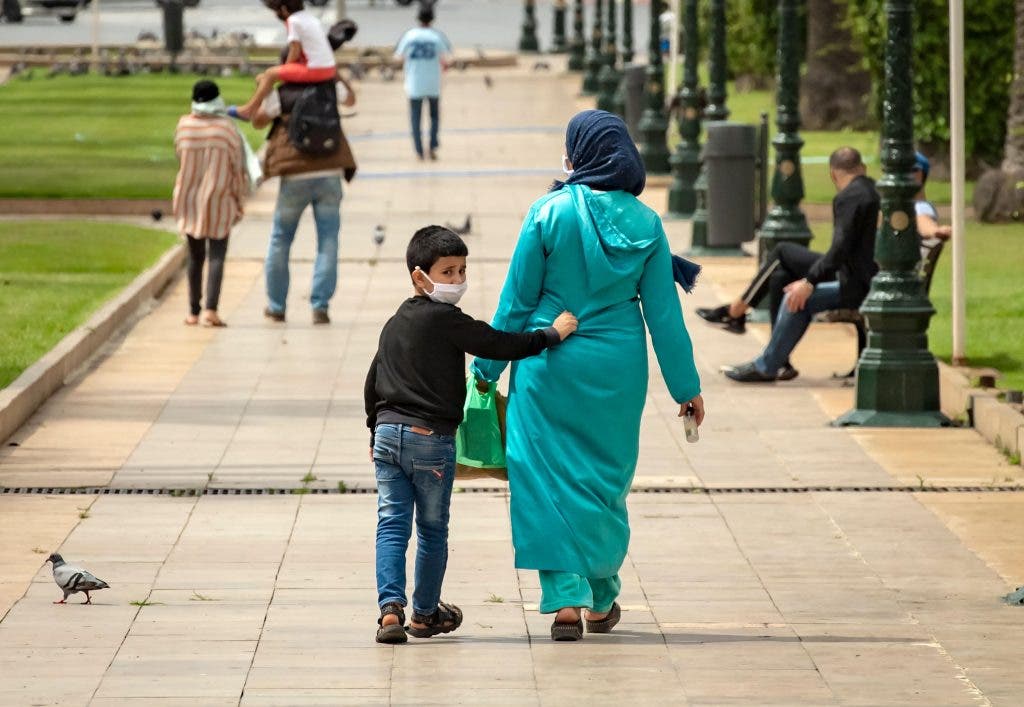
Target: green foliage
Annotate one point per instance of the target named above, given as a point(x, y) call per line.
point(96, 136)
point(752, 31)
point(988, 56)
point(55, 274)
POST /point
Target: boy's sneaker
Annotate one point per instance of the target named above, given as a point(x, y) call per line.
point(393, 633)
point(320, 316)
point(433, 155)
point(272, 315)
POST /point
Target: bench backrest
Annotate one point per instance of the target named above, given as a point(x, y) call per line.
point(931, 249)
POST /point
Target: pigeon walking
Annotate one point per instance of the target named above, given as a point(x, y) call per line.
point(73, 579)
point(462, 230)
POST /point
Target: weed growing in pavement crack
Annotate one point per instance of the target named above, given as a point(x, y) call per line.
point(494, 599)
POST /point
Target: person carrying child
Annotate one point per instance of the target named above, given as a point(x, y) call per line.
point(310, 57)
point(414, 394)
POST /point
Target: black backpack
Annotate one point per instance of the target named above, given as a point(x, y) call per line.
point(314, 126)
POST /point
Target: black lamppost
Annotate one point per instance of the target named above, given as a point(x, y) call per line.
point(610, 75)
point(717, 65)
point(786, 222)
point(715, 111)
point(558, 45)
point(685, 162)
point(594, 58)
point(627, 31)
point(897, 377)
point(578, 43)
point(653, 124)
point(528, 38)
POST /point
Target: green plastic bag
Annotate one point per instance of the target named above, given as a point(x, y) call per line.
point(480, 439)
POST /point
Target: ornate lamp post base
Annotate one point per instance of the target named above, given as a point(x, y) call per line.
point(528, 39)
point(682, 194)
point(558, 44)
point(609, 79)
point(577, 45)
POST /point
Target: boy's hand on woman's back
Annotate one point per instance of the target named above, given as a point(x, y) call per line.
point(565, 324)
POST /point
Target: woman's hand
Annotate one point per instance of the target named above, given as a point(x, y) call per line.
point(565, 324)
point(698, 409)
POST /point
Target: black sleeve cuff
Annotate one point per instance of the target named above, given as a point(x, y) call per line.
point(552, 336)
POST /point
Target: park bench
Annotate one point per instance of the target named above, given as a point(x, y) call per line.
point(931, 249)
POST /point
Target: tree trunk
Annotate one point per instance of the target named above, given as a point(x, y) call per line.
point(999, 193)
point(835, 90)
point(1013, 155)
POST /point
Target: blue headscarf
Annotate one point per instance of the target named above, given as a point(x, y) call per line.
point(602, 153)
point(604, 157)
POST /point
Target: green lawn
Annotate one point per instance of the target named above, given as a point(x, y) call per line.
point(995, 291)
point(94, 136)
point(747, 108)
point(55, 274)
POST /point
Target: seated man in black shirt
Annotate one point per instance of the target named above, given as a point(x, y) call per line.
point(802, 283)
point(415, 392)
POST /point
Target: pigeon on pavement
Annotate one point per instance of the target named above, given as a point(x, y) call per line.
point(73, 579)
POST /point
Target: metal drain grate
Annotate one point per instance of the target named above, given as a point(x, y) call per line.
point(294, 491)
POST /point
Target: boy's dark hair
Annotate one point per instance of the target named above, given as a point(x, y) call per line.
point(204, 91)
point(292, 6)
point(430, 244)
point(425, 15)
point(845, 159)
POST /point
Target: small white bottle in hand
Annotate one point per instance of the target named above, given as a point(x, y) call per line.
point(690, 425)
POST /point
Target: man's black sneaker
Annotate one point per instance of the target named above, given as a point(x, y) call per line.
point(715, 315)
point(736, 325)
point(787, 373)
point(272, 315)
point(748, 373)
point(320, 316)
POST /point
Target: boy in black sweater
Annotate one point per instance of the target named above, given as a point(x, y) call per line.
point(415, 391)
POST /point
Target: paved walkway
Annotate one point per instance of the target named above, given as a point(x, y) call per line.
point(826, 597)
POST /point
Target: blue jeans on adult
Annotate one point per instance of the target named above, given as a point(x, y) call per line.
point(416, 113)
point(790, 327)
point(414, 472)
point(295, 194)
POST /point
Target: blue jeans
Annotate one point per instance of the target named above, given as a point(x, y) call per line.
point(414, 471)
point(416, 112)
point(790, 327)
point(324, 194)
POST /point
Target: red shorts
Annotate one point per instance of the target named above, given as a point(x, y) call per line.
point(300, 73)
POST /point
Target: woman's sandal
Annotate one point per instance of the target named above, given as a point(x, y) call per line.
point(567, 632)
point(445, 619)
point(608, 622)
point(394, 633)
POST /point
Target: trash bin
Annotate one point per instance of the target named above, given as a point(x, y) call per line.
point(633, 77)
point(174, 25)
point(730, 155)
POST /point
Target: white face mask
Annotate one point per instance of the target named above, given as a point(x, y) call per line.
point(443, 292)
point(565, 166)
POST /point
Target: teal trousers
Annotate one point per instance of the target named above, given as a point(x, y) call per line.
point(561, 589)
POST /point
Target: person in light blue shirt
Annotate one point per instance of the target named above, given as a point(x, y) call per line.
point(424, 52)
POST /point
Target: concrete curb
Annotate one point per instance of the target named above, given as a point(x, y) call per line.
point(998, 422)
point(47, 375)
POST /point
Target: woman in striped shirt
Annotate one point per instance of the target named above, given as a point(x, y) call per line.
point(208, 193)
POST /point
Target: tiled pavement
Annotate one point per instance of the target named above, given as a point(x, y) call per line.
point(853, 598)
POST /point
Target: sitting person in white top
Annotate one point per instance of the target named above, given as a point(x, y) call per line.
point(927, 216)
point(310, 56)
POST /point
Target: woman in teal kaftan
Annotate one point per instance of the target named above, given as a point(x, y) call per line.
point(592, 248)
